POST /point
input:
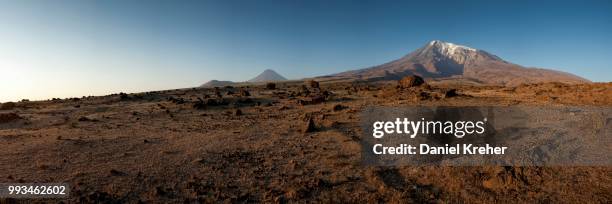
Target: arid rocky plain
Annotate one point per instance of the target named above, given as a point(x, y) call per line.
point(274, 143)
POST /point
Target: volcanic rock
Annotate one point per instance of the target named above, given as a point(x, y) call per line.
point(244, 92)
point(9, 117)
point(450, 93)
point(309, 126)
point(87, 119)
point(411, 81)
point(314, 84)
point(339, 107)
point(270, 86)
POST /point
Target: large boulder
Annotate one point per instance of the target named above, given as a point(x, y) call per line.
point(411, 81)
point(244, 92)
point(270, 85)
point(314, 84)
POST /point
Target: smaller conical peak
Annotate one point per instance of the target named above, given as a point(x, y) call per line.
point(268, 75)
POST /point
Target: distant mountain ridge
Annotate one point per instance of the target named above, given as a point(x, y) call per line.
point(217, 83)
point(439, 59)
point(268, 75)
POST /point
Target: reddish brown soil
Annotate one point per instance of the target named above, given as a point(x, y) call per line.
point(170, 146)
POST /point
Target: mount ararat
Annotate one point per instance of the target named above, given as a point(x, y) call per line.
point(443, 60)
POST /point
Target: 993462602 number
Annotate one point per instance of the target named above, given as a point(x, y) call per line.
point(33, 190)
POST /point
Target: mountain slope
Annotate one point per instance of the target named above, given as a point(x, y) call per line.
point(268, 75)
point(440, 59)
point(217, 83)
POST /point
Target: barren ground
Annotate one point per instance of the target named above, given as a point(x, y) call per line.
point(169, 146)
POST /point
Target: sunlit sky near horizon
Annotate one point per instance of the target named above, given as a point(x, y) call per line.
point(74, 48)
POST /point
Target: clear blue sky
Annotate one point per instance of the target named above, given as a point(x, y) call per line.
point(75, 48)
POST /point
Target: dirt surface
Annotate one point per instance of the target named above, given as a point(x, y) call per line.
point(289, 143)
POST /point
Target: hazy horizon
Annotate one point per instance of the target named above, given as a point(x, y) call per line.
point(60, 49)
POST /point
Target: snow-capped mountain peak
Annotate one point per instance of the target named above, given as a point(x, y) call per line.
point(458, 53)
point(449, 48)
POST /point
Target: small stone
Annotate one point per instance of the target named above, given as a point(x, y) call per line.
point(87, 119)
point(116, 173)
point(339, 107)
point(450, 93)
point(309, 126)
